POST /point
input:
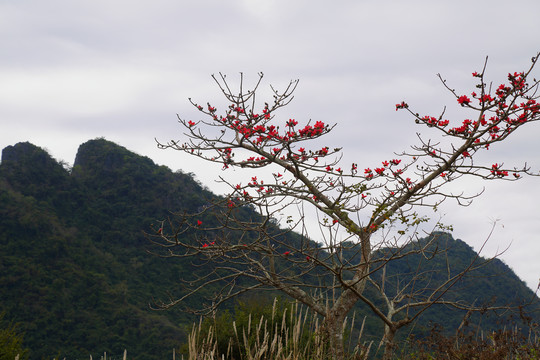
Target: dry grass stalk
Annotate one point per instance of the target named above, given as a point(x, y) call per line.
point(297, 336)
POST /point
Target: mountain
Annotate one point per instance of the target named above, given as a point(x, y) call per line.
point(75, 268)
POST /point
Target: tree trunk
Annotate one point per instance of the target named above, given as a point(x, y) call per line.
point(333, 331)
point(389, 343)
point(335, 318)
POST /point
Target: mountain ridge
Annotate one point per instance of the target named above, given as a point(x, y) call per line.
point(77, 274)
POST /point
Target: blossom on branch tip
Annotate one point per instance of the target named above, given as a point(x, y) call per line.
point(463, 100)
point(292, 123)
point(323, 151)
point(402, 105)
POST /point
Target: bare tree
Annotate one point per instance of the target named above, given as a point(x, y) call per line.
point(375, 207)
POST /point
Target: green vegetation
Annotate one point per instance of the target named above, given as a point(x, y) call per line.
point(11, 341)
point(77, 276)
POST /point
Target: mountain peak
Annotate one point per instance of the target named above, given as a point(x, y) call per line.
point(24, 151)
point(25, 164)
point(106, 155)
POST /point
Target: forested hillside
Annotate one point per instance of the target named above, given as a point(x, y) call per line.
point(75, 267)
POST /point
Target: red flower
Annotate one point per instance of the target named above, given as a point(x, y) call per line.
point(286, 253)
point(205, 245)
point(463, 100)
point(403, 105)
point(199, 222)
point(191, 123)
point(292, 122)
point(443, 123)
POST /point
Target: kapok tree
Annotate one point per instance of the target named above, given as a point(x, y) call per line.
point(376, 204)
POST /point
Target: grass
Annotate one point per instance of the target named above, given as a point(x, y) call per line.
point(296, 335)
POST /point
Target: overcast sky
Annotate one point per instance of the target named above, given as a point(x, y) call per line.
point(71, 71)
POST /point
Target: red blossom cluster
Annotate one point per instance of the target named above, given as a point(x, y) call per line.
point(500, 113)
point(256, 130)
point(402, 105)
point(312, 131)
point(463, 100)
point(433, 121)
point(496, 171)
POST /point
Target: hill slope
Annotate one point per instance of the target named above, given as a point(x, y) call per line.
point(74, 268)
